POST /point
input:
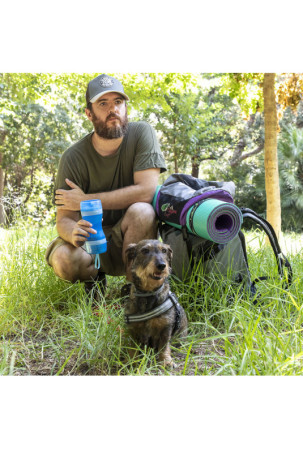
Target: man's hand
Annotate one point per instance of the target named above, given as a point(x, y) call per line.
point(69, 199)
point(81, 232)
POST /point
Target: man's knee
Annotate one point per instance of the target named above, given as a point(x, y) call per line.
point(140, 220)
point(67, 261)
point(140, 212)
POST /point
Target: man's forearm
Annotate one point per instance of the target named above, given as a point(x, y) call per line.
point(65, 226)
point(122, 198)
point(143, 189)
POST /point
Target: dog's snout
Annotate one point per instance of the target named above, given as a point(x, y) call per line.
point(161, 266)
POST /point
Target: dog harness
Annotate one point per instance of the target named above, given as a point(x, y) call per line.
point(170, 301)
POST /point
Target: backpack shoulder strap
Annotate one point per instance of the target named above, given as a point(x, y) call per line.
point(281, 259)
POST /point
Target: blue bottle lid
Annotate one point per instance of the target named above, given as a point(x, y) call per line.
point(91, 207)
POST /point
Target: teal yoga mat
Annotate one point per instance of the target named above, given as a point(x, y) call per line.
point(214, 220)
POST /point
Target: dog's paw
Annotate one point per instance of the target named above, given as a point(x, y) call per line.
point(169, 363)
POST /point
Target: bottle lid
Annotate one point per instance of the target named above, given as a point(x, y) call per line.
point(91, 207)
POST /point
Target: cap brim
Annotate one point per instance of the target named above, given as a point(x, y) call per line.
point(96, 97)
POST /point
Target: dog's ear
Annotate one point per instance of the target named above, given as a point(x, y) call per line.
point(130, 252)
point(170, 254)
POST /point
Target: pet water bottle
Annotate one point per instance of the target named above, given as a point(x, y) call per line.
point(91, 210)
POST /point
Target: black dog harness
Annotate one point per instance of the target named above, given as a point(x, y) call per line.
point(171, 301)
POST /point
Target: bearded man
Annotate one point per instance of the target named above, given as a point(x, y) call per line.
point(118, 163)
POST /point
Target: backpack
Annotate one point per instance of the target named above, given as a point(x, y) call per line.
point(184, 193)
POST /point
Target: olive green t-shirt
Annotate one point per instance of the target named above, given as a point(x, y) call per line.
point(94, 173)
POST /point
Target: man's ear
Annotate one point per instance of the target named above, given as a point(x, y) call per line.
point(130, 252)
point(88, 114)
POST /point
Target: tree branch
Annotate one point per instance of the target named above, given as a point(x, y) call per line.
point(236, 159)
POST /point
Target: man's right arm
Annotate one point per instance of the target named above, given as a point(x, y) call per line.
point(72, 228)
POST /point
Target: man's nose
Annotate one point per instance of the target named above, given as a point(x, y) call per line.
point(113, 107)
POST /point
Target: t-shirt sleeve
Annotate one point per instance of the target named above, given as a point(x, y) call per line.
point(148, 153)
point(68, 168)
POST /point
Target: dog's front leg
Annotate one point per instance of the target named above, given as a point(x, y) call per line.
point(166, 358)
point(132, 353)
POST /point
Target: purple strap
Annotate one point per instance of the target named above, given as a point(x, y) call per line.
point(218, 194)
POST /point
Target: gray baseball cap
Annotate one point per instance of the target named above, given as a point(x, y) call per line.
point(103, 84)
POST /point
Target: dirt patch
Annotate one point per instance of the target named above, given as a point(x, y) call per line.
point(38, 357)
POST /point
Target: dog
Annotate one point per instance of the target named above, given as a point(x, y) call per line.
point(152, 313)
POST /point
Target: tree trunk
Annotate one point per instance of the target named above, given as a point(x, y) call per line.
point(273, 201)
point(195, 167)
point(176, 163)
point(2, 211)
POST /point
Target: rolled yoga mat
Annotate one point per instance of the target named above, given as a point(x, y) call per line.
point(210, 219)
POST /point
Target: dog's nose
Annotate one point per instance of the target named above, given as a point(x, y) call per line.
point(161, 266)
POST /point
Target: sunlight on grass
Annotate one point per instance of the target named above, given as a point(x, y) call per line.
point(290, 243)
point(48, 327)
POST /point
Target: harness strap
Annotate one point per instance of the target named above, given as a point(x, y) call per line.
point(129, 318)
point(161, 309)
point(178, 313)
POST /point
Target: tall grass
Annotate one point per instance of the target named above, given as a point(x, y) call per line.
point(48, 327)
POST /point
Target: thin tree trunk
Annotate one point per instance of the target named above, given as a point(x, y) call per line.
point(176, 164)
point(195, 167)
point(175, 153)
point(2, 212)
point(273, 201)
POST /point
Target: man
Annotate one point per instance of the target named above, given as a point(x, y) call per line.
point(118, 163)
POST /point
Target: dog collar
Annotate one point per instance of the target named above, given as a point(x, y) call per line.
point(139, 293)
point(165, 306)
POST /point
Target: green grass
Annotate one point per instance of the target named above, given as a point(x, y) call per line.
point(47, 326)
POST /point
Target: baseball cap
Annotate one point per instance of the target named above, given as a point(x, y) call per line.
point(103, 84)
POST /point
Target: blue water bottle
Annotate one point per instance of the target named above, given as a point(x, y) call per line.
point(91, 210)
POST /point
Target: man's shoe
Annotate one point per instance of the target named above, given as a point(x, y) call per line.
point(125, 290)
point(96, 288)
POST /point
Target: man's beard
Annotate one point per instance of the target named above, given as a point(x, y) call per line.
point(113, 131)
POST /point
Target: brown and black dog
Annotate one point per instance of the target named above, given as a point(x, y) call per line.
point(152, 313)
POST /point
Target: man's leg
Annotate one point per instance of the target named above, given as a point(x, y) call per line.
point(72, 264)
point(138, 223)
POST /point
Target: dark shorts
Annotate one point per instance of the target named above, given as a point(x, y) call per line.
point(111, 261)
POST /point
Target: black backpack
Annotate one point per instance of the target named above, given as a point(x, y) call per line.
point(190, 250)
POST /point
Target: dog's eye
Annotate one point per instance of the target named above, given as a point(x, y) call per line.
point(164, 250)
point(145, 251)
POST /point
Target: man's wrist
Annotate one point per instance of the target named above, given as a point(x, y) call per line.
point(95, 196)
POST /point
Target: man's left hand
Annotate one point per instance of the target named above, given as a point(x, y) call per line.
point(69, 199)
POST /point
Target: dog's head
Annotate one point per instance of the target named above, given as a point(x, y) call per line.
point(150, 262)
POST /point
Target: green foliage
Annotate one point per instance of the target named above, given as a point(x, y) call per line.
point(246, 88)
point(38, 123)
point(198, 117)
point(195, 124)
point(291, 175)
point(31, 153)
point(148, 90)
